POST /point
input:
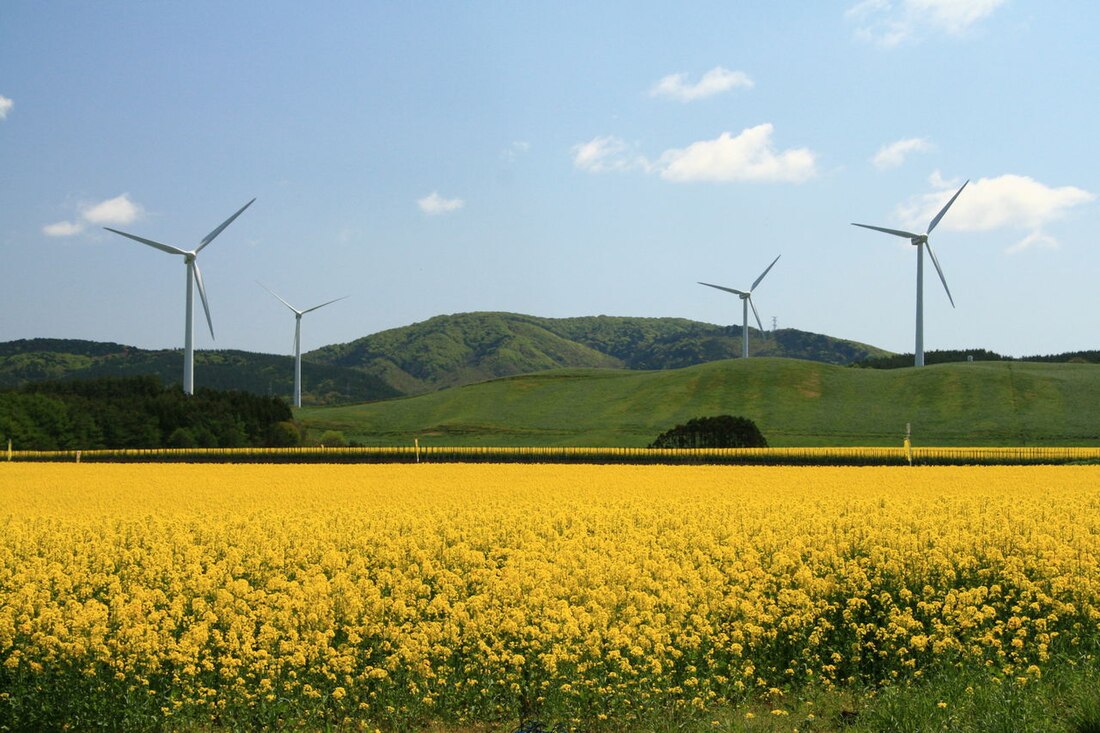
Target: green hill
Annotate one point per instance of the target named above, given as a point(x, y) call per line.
point(794, 402)
point(35, 360)
point(442, 352)
point(449, 351)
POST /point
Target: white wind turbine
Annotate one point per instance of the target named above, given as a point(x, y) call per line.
point(298, 339)
point(746, 303)
point(920, 241)
point(194, 277)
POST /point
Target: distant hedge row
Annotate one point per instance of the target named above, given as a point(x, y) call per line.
point(949, 356)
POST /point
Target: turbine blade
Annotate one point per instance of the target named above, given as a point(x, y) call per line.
point(210, 237)
point(307, 310)
point(158, 245)
point(728, 290)
point(202, 294)
point(288, 305)
point(947, 206)
point(757, 281)
point(758, 323)
point(939, 270)
point(895, 232)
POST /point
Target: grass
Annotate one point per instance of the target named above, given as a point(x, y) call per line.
point(1065, 700)
point(794, 402)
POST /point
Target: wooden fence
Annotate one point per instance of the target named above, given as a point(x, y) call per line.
point(852, 456)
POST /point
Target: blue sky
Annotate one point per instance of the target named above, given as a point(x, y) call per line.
point(556, 159)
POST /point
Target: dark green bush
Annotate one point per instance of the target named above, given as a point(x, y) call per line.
point(721, 431)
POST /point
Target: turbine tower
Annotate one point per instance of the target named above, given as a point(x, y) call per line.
point(746, 303)
point(298, 339)
point(194, 277)
point(920, 241)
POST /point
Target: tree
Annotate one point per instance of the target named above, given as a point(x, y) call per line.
point(283, 434)
point(181, 438)
point(721, 431)
point(137, 412)
point(333, 439)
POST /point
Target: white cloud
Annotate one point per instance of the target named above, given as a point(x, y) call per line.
point(607, 153)
point(953, 16)
point(433, 204)
point(750, 156)
point(894, 154)
point(5, 106)
point(119, 210)
point(1005, 202)
point(63, 229)
point(1037, 240)
point(514, 151)
point(893, 22)
point(715, 81)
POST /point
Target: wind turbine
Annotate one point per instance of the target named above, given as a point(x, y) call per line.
point(194, 276)
point(298, 339)
point(746, 303)
point(920, 241)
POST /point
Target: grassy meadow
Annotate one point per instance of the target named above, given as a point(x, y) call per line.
point(478, 598)
point(794, 402)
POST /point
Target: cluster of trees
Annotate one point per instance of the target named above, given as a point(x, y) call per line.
point(721, 431)
point(947, 356)
point(139, 412)
point(944, 356)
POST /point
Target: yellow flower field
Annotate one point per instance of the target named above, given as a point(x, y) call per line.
point(247, 595)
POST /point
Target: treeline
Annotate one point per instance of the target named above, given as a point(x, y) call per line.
point(139, 412)
point(899, 361)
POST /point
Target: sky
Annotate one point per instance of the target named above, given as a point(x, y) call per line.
point(550, 158)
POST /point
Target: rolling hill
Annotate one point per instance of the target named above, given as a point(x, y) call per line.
point(445, 351)
point(35, 360)
point(794, 402)
point(454, 350)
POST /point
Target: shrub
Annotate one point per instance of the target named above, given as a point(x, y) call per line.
point(333, 439)
point(721, 431)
